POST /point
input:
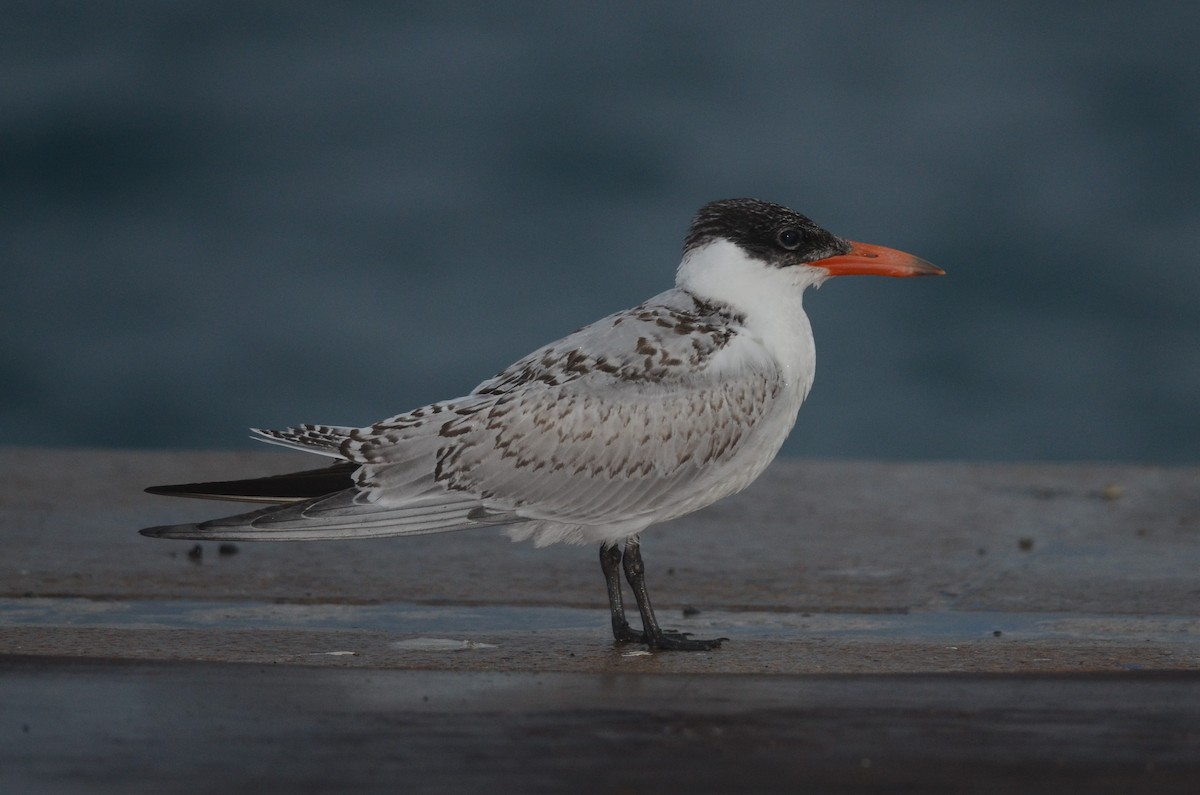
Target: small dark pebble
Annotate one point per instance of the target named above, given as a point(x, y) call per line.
point(670, 571)
point(1025, 544)
point(196, 553)
point(689, 611)
point(25, 728)
point(227, 549)
point(996, 633)
point(982, 551)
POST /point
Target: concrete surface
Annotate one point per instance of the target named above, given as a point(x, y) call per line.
point(939, 627)
point(92, 726)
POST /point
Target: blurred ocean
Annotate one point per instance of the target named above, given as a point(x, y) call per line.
point(218, 215)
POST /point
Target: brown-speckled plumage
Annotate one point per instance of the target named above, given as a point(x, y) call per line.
point(640, 417)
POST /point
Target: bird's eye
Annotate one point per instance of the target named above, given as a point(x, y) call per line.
point(788, 238)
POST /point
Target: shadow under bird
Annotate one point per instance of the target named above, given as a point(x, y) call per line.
point(643, 416)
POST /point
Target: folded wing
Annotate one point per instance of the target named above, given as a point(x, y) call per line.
point(613, 424)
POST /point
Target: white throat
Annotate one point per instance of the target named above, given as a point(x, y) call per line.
point(769, 298)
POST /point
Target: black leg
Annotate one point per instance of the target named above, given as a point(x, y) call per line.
point(610, 562)
point(655, 637)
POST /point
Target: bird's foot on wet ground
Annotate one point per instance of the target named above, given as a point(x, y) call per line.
point(680, 641)
point(667, 639)
point(627, 634)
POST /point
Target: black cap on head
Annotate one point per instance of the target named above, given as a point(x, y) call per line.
point(771, 232)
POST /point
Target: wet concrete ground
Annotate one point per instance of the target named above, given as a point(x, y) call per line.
point(938, 627)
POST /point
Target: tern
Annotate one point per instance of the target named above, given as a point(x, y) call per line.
point(643, 416)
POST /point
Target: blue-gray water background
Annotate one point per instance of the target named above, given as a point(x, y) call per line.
point(217, 215)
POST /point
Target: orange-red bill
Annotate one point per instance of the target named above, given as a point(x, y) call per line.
point(870, 260)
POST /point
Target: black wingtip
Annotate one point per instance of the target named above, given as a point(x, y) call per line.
point(170, 531)
point(202, 490)
point(288, 487)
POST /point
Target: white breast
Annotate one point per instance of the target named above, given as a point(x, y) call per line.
point(769, 298)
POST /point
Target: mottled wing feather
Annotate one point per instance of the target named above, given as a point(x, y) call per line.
point(566, 454)
point(603, 427)
point(665, 339)
point(600, 426)
point(320, 439)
